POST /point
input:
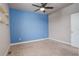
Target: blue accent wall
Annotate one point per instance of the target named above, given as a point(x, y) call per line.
point(26, 25)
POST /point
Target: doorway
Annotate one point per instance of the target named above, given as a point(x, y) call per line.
point(75, 30)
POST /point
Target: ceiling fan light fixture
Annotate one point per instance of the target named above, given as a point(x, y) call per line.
point(42, 9)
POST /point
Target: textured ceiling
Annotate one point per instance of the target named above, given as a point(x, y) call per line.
point(29, 7)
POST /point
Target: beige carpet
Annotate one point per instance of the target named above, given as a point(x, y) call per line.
point(43, 48)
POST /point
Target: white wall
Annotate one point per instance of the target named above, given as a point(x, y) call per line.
point(59, 23)
point(4, 35)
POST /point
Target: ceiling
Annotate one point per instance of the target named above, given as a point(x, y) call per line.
point(29, 7)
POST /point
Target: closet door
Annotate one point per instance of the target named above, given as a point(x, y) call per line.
point(4, 39)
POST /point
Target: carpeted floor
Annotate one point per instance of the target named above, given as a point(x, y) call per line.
point(43, 48)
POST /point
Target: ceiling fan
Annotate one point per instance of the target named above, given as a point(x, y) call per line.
point(43, 7)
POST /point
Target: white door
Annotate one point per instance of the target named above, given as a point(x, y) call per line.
point(75, 29)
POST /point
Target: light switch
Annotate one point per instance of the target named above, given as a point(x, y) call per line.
point(0, 18)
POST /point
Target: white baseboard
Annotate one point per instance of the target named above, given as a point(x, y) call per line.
point(41, 40)
point(7, 50)
point(64, 42)
point(61, 41)
point(28, 41)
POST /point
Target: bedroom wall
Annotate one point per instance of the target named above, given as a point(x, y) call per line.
point(27, 26)
point(4, 32)
point(59, 23)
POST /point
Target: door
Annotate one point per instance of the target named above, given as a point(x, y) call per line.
point(75, 29)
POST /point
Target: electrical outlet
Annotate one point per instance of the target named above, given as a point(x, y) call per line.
point(20, 39)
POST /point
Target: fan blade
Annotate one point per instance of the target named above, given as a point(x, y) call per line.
point(44, 11)
point(44, 4)
point(37, 10)
point(36, 5)
point(48, 7)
